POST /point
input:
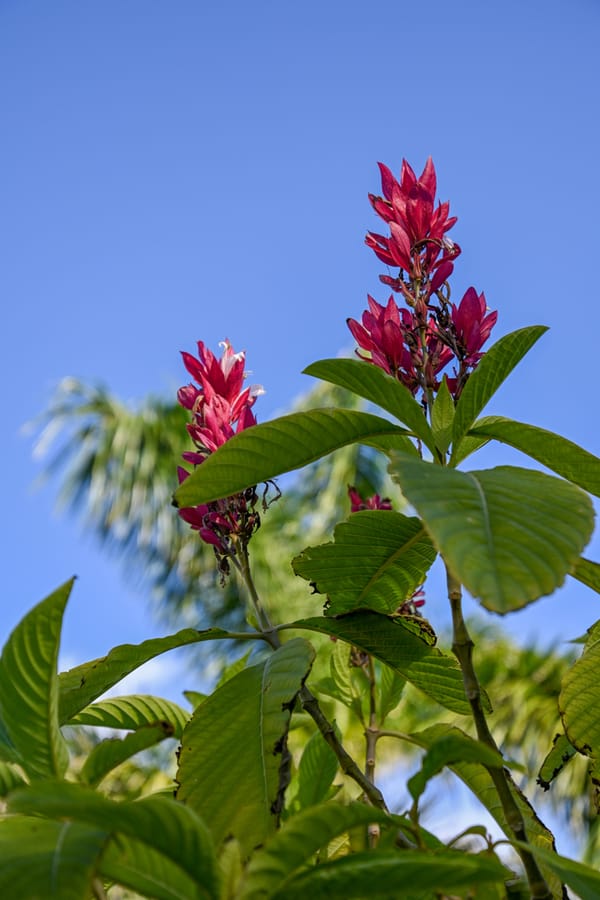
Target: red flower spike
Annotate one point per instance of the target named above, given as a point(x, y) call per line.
point(221, 407)
point(375, 502)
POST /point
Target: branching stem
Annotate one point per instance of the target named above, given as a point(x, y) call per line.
point(462, 647)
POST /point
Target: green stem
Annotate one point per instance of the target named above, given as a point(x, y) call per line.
point(462, 647)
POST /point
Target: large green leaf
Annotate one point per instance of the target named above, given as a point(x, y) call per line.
point(510, 535)
point(132, 712)
point(556, 452)
point(28, 690)
point(298, 840)
point(480, 782)
point(390, 640)
point(588, 573)
point(111, 752)
point(49, 860)
point(146, 871)
point(290, 442)
point(388, 874)
point(377, 560)
point(164, 825)
point(497, 363)
point(233, 759)
point(579, 702)
point(81, 685)
point(372, 383)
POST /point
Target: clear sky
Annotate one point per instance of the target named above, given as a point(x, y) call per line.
point(175, 171)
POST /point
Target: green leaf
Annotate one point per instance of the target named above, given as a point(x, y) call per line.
point(317, 769)
point(557, 453)
point(496, 364)
point(81, 685)
point(388, 874)
point(10, 778)
point(442, 417)
point(391, 688)
point(372, 383)
point(233, 759)
point(388, 640)
point(194, 698)
point(162, 824)
point(49, 860)
point(579, 877)
point(147, 872)
point(579, 702)
point(290, 442)
point(479, 781)
point(110, 753)
point(562, 752)
point(509, 535)
point(588, 573)
point(298, 840)
point(135, 711)
point(377, 560)
point(28, 690)
point(339, 666)
point(450, 748)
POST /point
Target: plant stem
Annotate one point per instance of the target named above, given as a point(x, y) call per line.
point(347, 764)
point(462, 647)
point(307, 698)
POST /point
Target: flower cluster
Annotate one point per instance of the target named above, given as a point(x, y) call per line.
point(221, 406)
point(416, 343)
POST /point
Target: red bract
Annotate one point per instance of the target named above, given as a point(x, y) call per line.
point(471, 325)
point(417, 243)
point(221, 406)
point(392, 339)
point(375, 502)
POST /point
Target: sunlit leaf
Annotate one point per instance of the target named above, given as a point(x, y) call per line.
point(588, 573)
point(480, 782)
point(298, 840)
point(579, 702)
point(132, 712)
point(147, 872)
point(386, 874)
point(557, 453)
point(232, 759)
point(376, 561)
point(375, 385)
point(81, 685)
point(385, 638)
point(496, 364)
point(162, 824)
point(111, 752)
point(290, 442)
point(509, 535)
point(29, 732)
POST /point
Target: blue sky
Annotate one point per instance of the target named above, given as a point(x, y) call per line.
point(181, 171)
